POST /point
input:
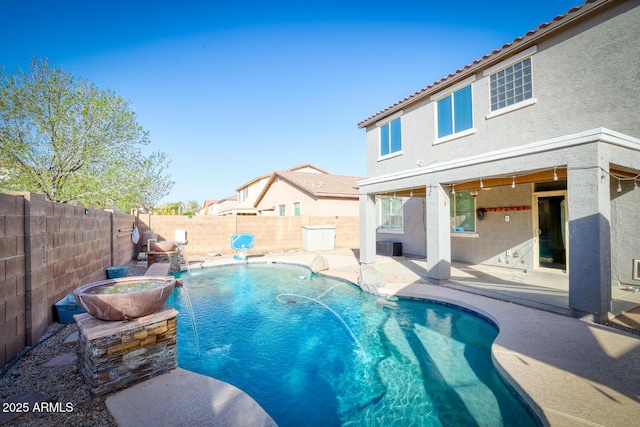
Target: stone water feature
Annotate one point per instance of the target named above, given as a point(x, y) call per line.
point(124, 298)
point(164, 251)
point(128, 334)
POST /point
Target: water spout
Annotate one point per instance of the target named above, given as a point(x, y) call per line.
point(355, 339)
point(193, 319)
point(328, 290)
point(184, 256)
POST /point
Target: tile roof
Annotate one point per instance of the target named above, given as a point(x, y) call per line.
point(322, 185)
point(486, 60)
point(316, 184)
point(294, 168)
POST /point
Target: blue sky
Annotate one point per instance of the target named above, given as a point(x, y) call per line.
point(236, 89)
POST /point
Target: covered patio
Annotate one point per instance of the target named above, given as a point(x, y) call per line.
point(549, 223)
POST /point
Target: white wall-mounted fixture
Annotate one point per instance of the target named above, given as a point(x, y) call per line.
point(419, 162)
point(636, 269)
point(180, 236)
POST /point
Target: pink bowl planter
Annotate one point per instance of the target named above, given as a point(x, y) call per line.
point(124, 298)
point(163, 246)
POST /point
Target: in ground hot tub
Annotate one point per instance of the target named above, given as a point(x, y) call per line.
point(124, 298)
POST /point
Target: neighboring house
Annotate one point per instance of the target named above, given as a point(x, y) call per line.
point(527, 158)
point(300, 192)
point(207, 208)
point(227, 206)
point(249, 192)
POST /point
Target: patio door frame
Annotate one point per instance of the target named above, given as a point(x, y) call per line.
point(536, 229)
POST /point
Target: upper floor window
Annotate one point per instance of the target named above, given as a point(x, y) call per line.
point(243, 194)
point(282, 210)
point(296, 209)
point(391, 215)
point(511, 85)
point(390, 137)
point(455, 112)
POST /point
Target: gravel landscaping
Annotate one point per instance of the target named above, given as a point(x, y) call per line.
point(61, 387)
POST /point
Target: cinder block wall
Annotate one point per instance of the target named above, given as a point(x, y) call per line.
point(46, 250)
point(12, 277)
point(123, 249)
point(212, 234)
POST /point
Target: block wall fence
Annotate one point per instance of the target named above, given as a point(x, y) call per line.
point(48, 249)
point(212, 234)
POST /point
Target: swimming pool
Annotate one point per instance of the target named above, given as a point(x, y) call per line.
point(317, 351)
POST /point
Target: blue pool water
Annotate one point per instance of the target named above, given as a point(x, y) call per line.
point(316, 351)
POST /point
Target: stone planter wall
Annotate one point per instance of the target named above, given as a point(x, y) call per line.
point(115, 355)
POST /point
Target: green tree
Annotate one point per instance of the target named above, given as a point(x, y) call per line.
point(65, 138)
point(171, 208)
point(192, 207)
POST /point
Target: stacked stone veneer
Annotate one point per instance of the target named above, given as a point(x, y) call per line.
point(173, 258)
point(115, 355)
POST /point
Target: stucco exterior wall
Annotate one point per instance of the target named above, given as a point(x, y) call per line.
point(495, 235)
point(625, 218)
point(625, 236)
point(581, 79)
point(414, 235)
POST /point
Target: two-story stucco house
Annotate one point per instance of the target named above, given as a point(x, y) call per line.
point(249, 192)
point(527, 158)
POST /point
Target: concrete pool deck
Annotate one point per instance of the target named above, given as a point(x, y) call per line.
point(571, 372)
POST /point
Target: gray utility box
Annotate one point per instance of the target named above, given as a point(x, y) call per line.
point(389, 248)
point(318, 237)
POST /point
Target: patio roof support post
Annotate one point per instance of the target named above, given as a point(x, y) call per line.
point(589, 237)
point(438, 234)
point(368, 225)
